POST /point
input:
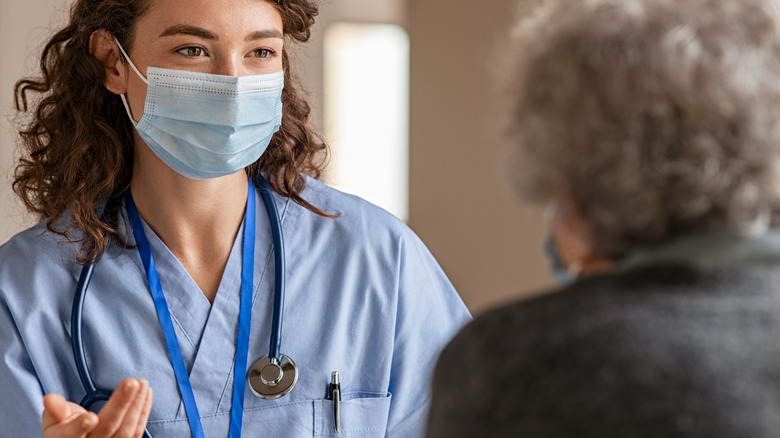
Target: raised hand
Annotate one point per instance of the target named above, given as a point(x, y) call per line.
point(124, 415)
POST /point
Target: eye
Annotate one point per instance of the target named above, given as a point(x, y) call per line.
point(262, 53)
point(192, 51)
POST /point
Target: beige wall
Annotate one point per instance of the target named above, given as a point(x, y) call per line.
point(23, 26)
point(460, 205)
point(460, 201)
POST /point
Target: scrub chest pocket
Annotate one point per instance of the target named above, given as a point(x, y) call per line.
point(362, 415)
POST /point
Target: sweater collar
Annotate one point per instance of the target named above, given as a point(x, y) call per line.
point(708, 250)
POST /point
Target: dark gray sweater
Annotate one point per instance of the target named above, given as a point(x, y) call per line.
point(662, 350)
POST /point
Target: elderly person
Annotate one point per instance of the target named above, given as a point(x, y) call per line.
point(650, 131)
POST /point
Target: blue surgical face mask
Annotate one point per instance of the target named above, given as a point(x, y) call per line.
point(204, 125)
point(560, 274)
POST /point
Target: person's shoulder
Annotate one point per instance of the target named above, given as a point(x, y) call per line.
point(596, 307)
point(336, 201)
point(544, 318)
point(32, 243)
point(540, 308)
point(35, 251)
point(604, 339)
point(352, 212)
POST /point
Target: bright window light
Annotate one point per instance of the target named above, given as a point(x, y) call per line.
point(366, 112)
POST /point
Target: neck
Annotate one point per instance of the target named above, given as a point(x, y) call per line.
point(198, 220)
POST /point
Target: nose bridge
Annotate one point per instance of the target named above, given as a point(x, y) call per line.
point(230, 65)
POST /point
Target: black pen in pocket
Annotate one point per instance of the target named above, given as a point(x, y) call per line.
point(334, 393)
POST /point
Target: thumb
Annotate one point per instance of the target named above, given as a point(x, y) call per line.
point(56, 408)
point(62, 418)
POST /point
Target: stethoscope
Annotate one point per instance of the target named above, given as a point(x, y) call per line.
point(272, 376)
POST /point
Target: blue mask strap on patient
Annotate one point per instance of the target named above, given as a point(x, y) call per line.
point(164, 315)
point(560, 274)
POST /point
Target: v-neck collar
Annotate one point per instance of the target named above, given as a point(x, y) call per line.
point(207, 332)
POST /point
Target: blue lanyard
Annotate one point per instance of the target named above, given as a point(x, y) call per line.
point(164, 315)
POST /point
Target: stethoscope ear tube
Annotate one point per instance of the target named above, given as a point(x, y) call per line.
point(275, 374)
point(93, 395)
point(76, 341)
point(278, 239)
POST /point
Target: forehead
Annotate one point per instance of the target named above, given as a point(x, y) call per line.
point(223, 17)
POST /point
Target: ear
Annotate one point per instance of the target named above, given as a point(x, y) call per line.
point(574, 239)
point(103, 47)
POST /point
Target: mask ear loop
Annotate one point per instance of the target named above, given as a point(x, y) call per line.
point(122, 96)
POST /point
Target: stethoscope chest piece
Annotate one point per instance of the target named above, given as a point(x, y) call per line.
point(271, 378)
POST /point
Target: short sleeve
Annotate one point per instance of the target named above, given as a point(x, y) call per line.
point(430, 312)
point(21, 390)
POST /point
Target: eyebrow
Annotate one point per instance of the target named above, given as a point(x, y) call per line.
point(263, 34)
point(185, 29)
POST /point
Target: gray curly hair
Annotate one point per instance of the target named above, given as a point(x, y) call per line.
point(655, 117)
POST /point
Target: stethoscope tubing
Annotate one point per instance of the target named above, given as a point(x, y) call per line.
point(93, 395)
point(76, 339)
point(279, 283)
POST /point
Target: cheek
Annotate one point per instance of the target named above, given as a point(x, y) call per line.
point(278, 65)
point(136, 96)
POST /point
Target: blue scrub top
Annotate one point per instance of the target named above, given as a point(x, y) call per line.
point(364, 297)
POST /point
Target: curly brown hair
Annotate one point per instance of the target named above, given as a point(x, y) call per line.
point(77, 143)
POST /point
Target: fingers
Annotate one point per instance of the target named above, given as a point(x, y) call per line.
point(143, 418)
point(135, 413)
point(63, 419)
point(124, 410)
point(78, 427)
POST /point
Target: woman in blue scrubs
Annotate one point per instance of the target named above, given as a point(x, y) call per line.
point(148, 129)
